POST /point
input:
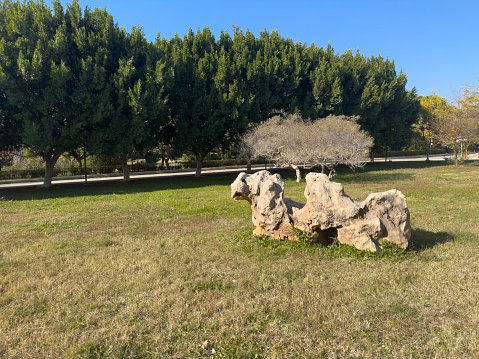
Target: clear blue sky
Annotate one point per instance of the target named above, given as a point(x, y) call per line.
point(436, 43)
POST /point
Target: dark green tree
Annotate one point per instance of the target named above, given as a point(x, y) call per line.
point(207, 101)
point(353, 85)
point(70, 80)
point(10, 120)
point(42, 76)
point(58, 78)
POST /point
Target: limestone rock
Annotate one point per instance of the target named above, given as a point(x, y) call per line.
point(264, 192)
point(328, 215)
point(327, 206)
point(391, 209)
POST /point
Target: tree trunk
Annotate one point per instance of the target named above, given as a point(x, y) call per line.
point(50, 164)
point(199, 164)
point(167, 159)
point(78, 157)
point(332, 173)
point(165, 156)
point(428, 149)
point(248, 167)
point(323, 169)
point(298, 173)
point(125, 168)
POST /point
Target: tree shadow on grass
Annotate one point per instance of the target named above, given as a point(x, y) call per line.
point(383, 166)
point(378, 172)
point(371, 173)
point(116, 187)
point(422, 240)
point(349, 177)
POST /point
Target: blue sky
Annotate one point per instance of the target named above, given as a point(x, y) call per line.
point(436, 43)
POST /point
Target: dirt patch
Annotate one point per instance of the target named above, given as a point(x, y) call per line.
point(188, 225)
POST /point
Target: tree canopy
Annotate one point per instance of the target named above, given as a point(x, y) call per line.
point(71, 78)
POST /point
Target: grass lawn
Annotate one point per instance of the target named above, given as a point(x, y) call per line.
point(153, 269)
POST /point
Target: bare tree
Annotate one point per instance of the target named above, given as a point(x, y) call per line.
point(289, 140)
point(343, 142)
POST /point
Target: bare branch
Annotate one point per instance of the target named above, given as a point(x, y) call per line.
point(289, 140)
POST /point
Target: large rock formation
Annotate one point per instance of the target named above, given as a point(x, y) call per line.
point(329, 215)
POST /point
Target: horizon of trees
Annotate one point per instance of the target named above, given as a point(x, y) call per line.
point(73, 79)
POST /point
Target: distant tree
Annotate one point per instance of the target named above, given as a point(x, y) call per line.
point(354, 85)
point(122, 130)
point(288, 140)
point(10, 88)
point(469, 106)
point(10, 125)
point(10, 121)
point(70, 81)
point(151, 105)
point(431, 107)
point(457, 126)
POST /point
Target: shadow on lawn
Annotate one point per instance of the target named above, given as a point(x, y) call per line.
point(115, 187)
point(347, 176)
point(422, 240)
point(375, 172)
point(372, 173)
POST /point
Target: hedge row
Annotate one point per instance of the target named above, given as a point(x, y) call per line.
point(408, 153)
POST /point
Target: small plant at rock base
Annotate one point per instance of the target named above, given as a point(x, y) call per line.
point(304, 242)
point(302, 237)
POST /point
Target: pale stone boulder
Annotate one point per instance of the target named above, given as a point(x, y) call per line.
point(264, 192)
point(329, 215)
point(327, 208)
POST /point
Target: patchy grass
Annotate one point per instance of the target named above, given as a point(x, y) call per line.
point(153, 269)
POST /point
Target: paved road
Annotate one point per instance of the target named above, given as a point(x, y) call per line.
point(37, 182)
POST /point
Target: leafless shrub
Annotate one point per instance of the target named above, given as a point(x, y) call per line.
point(290, 140)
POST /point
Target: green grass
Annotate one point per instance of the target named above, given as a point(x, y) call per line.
point(152, 269)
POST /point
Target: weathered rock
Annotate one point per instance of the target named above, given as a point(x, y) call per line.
point(327, 208)
point(391, 209)
point(329, 214)
point(265, 194)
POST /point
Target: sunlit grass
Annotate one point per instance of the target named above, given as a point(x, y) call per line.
point(153, 269)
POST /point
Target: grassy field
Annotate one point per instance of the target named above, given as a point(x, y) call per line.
point(154, 269)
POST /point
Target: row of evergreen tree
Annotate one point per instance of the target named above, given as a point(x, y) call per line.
point(71, 79)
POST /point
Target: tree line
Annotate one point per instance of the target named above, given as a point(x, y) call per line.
point(73, 79)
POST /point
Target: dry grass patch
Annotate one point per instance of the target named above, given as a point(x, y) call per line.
point(153, 269)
